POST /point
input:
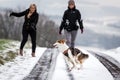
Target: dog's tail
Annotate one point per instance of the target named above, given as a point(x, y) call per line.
point(86, 55)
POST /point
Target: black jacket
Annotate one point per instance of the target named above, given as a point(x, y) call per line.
point(70, 18)
point(29, 23)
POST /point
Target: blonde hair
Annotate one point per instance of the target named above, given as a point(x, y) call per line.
point(34, 6)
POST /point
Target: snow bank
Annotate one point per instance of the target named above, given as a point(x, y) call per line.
point(114, 53)
point(21, 66)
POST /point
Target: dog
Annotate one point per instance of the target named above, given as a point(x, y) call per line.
point(72, 56)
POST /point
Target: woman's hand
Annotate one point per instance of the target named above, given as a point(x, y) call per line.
point(11, 14)
point(60, 32)
point(81, 31)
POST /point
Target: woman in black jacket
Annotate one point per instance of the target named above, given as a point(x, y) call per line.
point(69, 23)
point(29, 26)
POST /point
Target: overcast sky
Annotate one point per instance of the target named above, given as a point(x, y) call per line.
point(57, 7)
point(57, 4)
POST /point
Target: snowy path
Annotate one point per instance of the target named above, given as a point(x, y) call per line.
point(44, 67)
point(93, 69)
point(111, 64)
point(61, 72)
point(50, 65)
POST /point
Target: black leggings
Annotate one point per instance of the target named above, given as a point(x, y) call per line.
point(32, 34)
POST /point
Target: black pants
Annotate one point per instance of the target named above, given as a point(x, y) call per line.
point(32, 34)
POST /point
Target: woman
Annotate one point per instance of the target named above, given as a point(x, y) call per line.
point(69, 23)
point(29, 26)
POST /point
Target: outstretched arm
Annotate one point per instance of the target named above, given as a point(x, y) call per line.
point(18, 14)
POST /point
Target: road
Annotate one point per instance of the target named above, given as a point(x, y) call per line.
point(42, 70)
point(111, 64)
point(46, 65)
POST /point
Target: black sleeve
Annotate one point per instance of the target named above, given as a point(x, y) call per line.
point(79, 20)
point(19, 14)
point(63, 21)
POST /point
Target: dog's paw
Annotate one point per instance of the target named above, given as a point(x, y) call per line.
point(69, 70)
point(79, 68)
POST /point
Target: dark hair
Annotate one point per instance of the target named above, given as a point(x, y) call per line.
point(71, 2)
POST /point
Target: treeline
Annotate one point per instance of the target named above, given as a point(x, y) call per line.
point(11, 28)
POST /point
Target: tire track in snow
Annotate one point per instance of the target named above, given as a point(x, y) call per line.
point(45, 66)
point(71, 77)
point(111, 64)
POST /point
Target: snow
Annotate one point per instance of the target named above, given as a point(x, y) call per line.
point(114, 53)
point(92, 70)
point(60, 72)
point(21, 66)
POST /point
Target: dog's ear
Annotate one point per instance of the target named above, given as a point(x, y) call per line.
point(64, 40)
point(58, 41)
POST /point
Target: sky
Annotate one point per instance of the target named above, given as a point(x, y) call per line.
point(100, 2)
point(57, 7)
point(53, 8)
point(104, 2)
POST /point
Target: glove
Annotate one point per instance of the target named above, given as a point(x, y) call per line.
point(81, 26)
point(60, 32)
point(11, 14)
point(81, 31)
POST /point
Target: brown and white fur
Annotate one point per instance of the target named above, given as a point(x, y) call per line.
point(77, 58)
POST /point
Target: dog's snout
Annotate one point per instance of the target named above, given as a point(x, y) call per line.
point(54, 45)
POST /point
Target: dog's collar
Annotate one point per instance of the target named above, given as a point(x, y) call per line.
point(66, 51)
